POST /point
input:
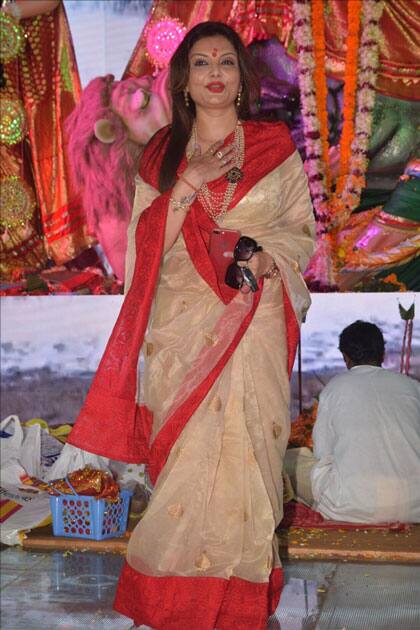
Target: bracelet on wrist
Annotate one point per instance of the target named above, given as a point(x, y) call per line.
point(185, 180)
point(272, 272)
point(184, 203)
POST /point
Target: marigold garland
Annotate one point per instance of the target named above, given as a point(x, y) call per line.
point(334, 208)
point(354, 9)
point(320, 80)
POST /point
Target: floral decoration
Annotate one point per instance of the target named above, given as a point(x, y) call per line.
point(302, 426)
point(334, 206)
point(162, 39)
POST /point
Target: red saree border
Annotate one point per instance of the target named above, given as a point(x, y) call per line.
point(199, 603)
point(110, 423)
point(292, 331)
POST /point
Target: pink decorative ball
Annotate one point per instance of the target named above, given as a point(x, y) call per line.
point(162, 39)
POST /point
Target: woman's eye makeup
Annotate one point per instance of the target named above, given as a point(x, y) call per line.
point(228, 61)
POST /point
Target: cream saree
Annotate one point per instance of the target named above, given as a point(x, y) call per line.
point(218, 498)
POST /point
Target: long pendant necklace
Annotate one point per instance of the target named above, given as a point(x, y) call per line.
point(216, 204)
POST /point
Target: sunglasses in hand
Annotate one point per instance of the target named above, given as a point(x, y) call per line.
point(238, 277)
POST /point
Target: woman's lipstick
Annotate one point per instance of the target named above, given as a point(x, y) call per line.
point(215, 87)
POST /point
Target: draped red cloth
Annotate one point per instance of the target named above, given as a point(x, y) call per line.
point(111, 423)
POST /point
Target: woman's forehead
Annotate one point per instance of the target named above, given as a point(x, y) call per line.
point(216, 45)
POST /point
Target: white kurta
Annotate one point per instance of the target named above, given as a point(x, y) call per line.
point(367, 438)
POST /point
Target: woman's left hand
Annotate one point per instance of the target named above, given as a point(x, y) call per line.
point(259, 264)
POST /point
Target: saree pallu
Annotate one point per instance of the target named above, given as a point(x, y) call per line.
point(204, 555)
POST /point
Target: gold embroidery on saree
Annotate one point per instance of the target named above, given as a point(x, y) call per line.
point(215, 404)
point(276, 430)
point(202, 563)
point(251, 456)
point(211, 339)
point(175, 510)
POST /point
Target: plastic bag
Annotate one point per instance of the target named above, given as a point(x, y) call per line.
point(19, 445)
point(21, 508)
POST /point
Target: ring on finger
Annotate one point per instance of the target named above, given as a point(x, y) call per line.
point(224, 162)
point(219, 155)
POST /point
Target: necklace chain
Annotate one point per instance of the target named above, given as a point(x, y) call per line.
point(216, 204)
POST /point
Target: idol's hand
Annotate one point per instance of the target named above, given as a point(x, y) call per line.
point(212, 164)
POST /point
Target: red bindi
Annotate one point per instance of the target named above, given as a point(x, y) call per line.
point(214, 52)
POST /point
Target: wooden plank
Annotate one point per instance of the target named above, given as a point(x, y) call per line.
point(349, 555)
point(294, 544)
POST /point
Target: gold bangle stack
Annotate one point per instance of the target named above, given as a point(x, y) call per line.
point(273, 272)
point(184, 203)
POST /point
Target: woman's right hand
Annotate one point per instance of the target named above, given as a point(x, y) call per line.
point(212, 164)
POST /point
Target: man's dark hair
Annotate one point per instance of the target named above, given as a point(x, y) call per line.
point(363, 343)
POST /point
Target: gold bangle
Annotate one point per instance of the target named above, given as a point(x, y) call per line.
point(185, 180)
point(180, 205)
point(272, 272)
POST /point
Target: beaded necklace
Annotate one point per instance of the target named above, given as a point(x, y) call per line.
point(216, 204)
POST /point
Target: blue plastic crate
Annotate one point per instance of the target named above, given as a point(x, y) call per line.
point(79, 516)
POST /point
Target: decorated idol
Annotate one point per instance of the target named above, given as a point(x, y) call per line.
point(107, 132)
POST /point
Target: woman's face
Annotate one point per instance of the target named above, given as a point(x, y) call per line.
point(214, 78)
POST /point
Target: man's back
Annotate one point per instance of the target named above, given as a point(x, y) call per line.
point(367, 437)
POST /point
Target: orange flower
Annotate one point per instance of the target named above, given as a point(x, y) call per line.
point(354, 9)
point(350, 84)
point(391, 278)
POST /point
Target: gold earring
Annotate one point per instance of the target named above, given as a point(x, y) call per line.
point(238, 98)
point(186, 98)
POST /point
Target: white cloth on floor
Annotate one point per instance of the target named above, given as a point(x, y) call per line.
point(367, 438)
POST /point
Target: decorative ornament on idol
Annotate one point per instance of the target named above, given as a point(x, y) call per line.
point(17, 203)
point(12, 121)
point(12, 38)
point(162, 39)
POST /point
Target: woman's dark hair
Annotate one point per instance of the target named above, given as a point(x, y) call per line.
point(183, 116)
point(363, 343)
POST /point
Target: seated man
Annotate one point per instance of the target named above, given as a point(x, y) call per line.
point(366, 462)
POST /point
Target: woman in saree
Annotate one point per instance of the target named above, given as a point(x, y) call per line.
point(211, 413)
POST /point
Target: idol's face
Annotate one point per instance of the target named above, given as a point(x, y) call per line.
point(143, 105)
point(214, 78)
